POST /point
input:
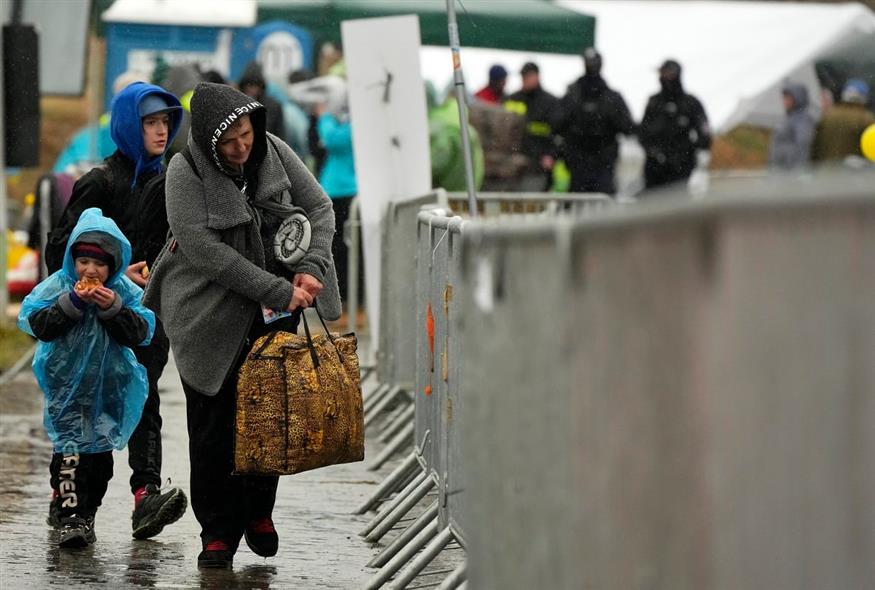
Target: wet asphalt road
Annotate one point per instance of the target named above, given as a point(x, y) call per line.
point(319, 544)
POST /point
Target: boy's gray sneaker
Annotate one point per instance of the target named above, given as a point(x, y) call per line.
point(76, 532)
point(156, 509)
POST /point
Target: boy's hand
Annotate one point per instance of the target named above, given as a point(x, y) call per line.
point(103, 297)
point(135, 273)
point(86, 295)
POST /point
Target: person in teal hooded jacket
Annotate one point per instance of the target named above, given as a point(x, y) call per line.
point(339, 181)
point(94, 387)
point(129, 189)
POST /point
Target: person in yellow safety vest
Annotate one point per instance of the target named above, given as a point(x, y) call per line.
point(538, 107)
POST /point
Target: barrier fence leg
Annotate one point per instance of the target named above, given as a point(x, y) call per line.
point(375, 396)
point(382, 405)
point(399, 511)
point(455, 579)
point(406, 415)
point(384, 424)
point(395, 445)
point(388, 508)
point(394, 481)
point(431, 551)
point(397, 562)
point(406, 536)
point(368, 379)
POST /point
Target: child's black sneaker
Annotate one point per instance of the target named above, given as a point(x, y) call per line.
point(216, 554)
point(76, 532)
point(261, 537)
point(154, 510)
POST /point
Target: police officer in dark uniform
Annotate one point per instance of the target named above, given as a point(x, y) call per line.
point(674, 128)
point(591, 116)
point(539, 108)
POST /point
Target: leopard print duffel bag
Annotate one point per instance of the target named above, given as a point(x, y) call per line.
point(299, 404)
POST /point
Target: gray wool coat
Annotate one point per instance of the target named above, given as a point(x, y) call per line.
point(209, 282)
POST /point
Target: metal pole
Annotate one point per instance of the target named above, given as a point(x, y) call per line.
point(45, 222)
point(428, 554)
point(391, 483)
point(406, 536)
point(455, 579)
point(96, 104)
point(403, 556)
point(351, 235)
point(4, 221)
point(387, 509)
point(405, 506)
point(459, 82)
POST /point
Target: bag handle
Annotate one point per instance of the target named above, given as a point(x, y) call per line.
point(310, 345)
point(257, 354)
point(313, 356)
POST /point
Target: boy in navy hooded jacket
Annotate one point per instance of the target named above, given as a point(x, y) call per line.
point(129, 189)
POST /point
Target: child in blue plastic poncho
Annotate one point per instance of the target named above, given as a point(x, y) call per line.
point(94, 388)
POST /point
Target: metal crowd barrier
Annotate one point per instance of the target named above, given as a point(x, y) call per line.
point(396, 345)
point(672, 396)
point(437, 461)
point(492, 205)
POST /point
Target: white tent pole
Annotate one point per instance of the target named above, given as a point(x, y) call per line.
point(459, 82)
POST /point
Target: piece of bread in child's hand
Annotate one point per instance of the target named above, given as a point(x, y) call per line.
point(86, 284)
point(145, 271)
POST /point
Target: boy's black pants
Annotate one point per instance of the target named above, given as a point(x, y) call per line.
point(80, 480)
point(144, 446)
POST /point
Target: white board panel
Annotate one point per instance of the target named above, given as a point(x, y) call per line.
point(389, 128)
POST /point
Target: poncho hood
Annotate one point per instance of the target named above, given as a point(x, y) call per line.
point(94, 228)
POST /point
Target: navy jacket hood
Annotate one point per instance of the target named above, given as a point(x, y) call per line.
point(126, 126)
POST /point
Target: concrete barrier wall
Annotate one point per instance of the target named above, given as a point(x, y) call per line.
point(674, 397)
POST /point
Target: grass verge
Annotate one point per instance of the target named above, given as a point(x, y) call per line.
point(13, 344)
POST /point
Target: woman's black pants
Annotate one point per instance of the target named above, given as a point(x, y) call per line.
point(223, 503)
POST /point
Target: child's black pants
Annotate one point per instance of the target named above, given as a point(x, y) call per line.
point(80, 480)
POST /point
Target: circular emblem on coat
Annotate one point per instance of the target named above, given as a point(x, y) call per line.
point(292, 239)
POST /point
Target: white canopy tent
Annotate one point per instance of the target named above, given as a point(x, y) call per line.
point(735, 55)
point(205, 13)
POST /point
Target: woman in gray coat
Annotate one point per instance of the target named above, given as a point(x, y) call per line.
point(227, 195)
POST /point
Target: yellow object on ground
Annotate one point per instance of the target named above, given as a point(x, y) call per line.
point(867, 142)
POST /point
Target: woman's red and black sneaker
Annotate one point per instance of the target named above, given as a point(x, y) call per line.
point(216, 554)
point(261, 537)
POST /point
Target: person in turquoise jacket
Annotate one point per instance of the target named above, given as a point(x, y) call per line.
point(87, 316)
point(338, 179)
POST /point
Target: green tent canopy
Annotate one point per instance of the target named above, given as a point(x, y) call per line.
point(523, 25)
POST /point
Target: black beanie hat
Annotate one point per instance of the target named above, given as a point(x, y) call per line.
point(215, 108)
point(90, 250)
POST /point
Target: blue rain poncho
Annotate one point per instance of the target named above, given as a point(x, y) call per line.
point(94, 387)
